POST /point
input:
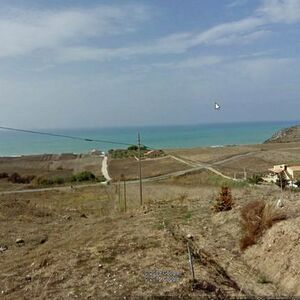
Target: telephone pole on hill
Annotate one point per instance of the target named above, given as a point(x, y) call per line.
point(140, 170)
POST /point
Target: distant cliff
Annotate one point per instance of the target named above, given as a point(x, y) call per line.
point(286, 135)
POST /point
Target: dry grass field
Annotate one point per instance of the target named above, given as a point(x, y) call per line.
point(210, 154)
point(150, 167)
point(255, 159)
point(51, 164)
point(47, 166)
point(80, 243)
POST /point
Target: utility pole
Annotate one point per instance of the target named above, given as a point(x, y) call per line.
point(125, 198)
point(119, 193)
point(140, 170)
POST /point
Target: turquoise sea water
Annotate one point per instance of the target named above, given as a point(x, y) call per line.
point(16, 143)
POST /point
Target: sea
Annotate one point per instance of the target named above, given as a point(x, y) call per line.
point(156, 137)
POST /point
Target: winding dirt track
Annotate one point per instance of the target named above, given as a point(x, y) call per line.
point(195, 166)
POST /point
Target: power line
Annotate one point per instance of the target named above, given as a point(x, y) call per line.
point(66, 136)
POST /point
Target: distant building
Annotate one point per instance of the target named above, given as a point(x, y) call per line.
point(277, 169)
point(291, 173)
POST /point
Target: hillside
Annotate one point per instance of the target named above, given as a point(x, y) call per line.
point(286, 135)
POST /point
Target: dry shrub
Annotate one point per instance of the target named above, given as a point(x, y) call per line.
point(257, 216)
point(3, 175)
point(182, 197)
point(17, 178)
point(224, 200)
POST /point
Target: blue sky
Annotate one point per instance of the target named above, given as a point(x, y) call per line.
point(118, 63)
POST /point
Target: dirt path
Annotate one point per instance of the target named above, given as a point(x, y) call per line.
point(104, 169)
point(195, 166)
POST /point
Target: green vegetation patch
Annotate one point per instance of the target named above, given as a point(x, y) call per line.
point(85, 176)
point(133, 151)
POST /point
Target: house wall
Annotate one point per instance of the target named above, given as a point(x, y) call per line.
point(297, 175)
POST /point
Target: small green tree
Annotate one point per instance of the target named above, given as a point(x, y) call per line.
point(133, 148)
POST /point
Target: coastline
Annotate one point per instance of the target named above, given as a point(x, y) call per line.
point(14, 144)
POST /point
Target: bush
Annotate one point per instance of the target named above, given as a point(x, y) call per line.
point(224, 200)
point(58, 180)
point(44, 181)
point(256, 218)
point(255, 179)
point(17, 178)
point(131, 151)
point(3, 175)
point(101, 178)
point(83, 176)
point(133, 147)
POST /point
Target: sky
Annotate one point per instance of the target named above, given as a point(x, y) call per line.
point(90, 63)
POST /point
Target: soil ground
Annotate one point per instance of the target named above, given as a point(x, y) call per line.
point(80, 243)
point(48, 166)
point(150, 167)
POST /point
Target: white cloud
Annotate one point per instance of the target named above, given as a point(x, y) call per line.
point(66, 32)
point(243, 31)
point(247, 38)
point(193, 62)
point(237, 3)
point(280, 11)
point(23, 31)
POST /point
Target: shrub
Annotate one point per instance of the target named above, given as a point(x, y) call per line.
point(83, 176)
point(3, 175)
point(133, 147)
point(58, 180)
point(255, 179)
point(44, 181)
point(224, 200)
point(17, 178)
point(101, 178)
point(256, 218)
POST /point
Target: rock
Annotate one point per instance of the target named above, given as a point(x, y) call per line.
point(28, 278)
point(83, 216)
point(3, 248)
point(43, 239)
point(100, 266)
point(279, 203)
point(189, 236)
point(20, 242)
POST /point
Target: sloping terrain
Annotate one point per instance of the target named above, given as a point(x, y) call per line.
point(287, 135)
point(81, 244)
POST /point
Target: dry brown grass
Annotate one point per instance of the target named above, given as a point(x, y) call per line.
point(150, 168)
point(224, 200)
point(257, 216)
